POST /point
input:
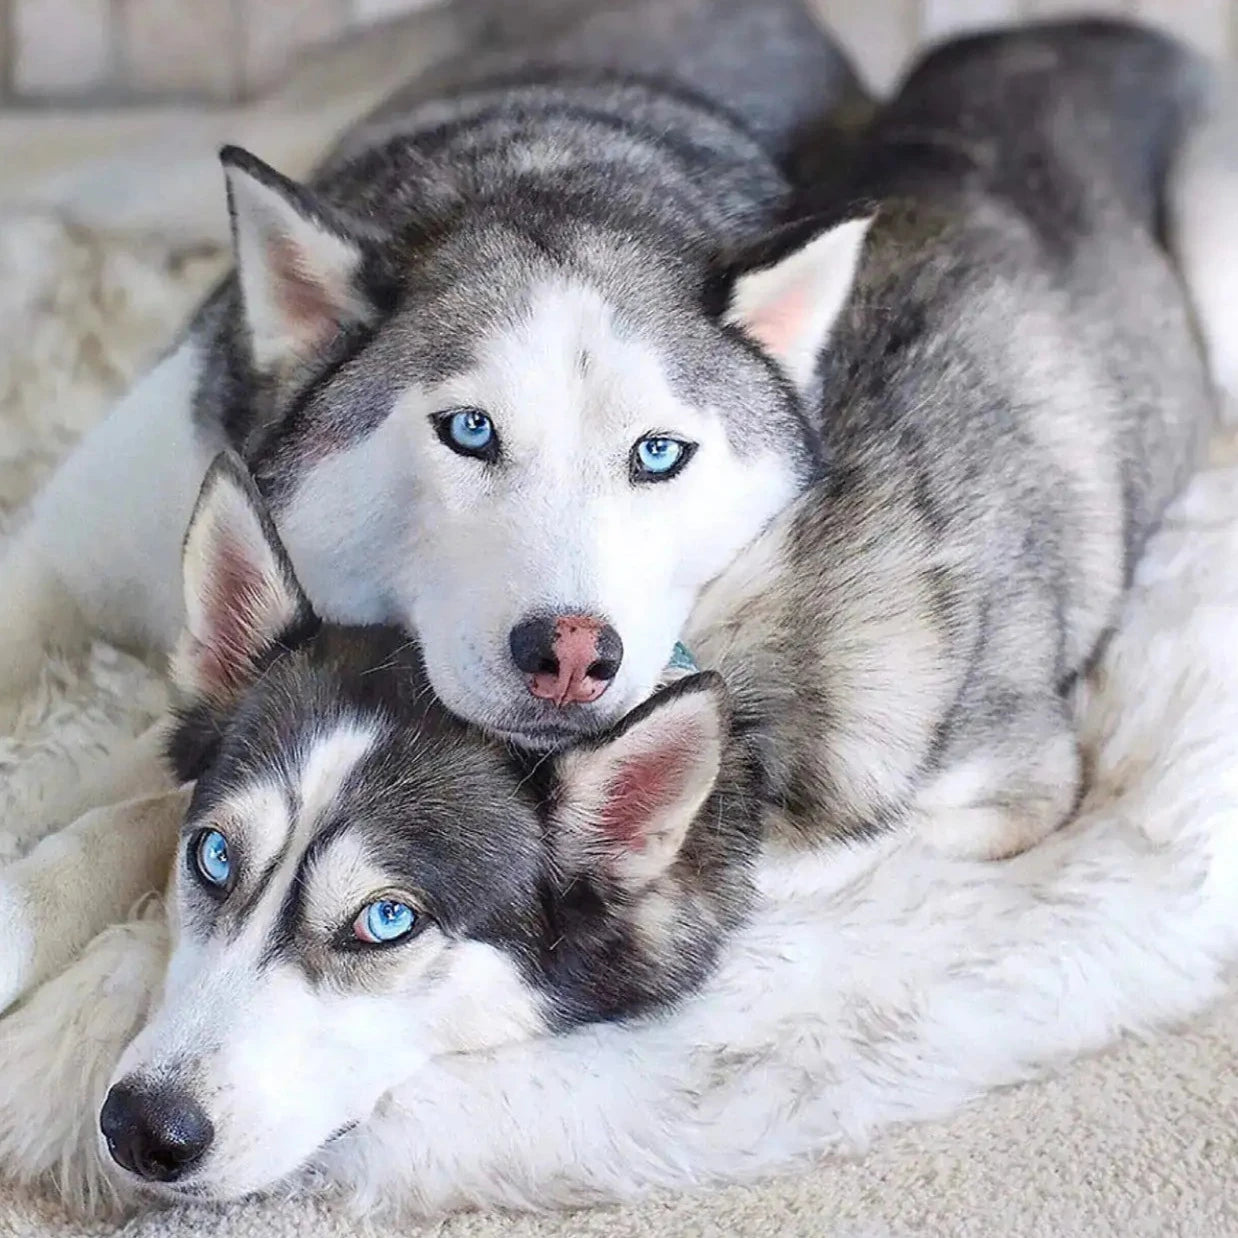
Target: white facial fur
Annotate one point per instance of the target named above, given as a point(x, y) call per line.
point(466, 551)
point(282, 1051)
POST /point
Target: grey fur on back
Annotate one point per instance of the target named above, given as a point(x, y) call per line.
point(1010, 397)
point(766, 64)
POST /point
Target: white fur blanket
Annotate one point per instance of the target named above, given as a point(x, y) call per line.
point(875, 987)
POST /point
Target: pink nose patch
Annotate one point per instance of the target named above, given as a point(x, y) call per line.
point(575, 648)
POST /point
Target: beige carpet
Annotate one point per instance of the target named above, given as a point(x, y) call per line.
point(1141, 1141)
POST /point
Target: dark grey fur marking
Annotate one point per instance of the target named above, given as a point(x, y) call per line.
point(1011, 397)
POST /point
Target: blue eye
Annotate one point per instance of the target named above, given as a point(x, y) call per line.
point(211, 856)
point(468, 432)
point(659, 457)
point(384, 921)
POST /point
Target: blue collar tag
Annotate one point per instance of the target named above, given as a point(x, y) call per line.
point(682, 660)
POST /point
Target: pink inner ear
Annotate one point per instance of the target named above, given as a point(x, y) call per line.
point(776, 325)
point(305, 302)
point(643, 787)
point(234, 584)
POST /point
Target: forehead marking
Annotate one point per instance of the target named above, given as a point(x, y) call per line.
point(572, 356)
point(278, 823)
point(261, 815)
point(341, 874)
point(324, 770)
point(327, 766)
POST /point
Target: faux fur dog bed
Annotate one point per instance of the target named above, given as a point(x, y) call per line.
point(875, 987)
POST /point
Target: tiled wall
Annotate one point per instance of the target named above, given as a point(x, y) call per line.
point(123, 50)
point(92, 51)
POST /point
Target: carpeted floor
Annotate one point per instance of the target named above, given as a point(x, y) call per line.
point(1140, 1141)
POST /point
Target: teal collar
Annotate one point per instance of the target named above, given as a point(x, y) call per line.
point(682, 660)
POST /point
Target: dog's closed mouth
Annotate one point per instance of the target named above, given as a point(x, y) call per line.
point(538, 738)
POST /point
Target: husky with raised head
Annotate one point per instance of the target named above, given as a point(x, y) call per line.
point(474, 368)
point(355, 858)
point(1009, 389)
point(472, 365)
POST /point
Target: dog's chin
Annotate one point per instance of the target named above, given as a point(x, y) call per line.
point(208, 1191)
point(546, 729)
point(541, 737)
point(170, 1193)
point(179, 1193)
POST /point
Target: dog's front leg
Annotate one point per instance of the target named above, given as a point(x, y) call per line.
point(100, 553)
point(80, 880)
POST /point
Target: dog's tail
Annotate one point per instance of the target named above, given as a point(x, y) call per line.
point(1202, 202)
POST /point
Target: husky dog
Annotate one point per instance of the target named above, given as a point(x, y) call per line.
point(472, 366)
point(355, 857)
point(1009, 391)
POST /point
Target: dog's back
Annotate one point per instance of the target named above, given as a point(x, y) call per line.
point(1057, 119)
point(1049, 150)
point(766, 65)
point(690, 115)
point(1012, 392)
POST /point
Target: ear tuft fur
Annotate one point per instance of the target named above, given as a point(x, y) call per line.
point(790, 307)
point(298, 263)
point(241, 594)
point(626, 802)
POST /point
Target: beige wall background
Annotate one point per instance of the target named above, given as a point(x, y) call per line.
point(107, 51)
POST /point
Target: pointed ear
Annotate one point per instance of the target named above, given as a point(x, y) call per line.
point(790, 308)
point(242, 598)
point(297, 261)
point(625, 803)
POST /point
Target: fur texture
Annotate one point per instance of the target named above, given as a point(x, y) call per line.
point(886, 986)
point(1009, 391)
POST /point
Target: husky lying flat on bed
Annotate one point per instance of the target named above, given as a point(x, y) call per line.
point(1008, 389)
point(357, 859)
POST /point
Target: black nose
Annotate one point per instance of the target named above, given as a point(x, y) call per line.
point(532, 643)
point(157, 1134)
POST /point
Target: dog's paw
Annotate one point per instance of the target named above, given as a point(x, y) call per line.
point(986, 832)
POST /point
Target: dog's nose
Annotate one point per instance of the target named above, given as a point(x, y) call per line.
point(157, 1135)
point(567, 659)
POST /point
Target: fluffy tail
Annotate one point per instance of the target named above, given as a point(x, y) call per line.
point(1203, 223)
